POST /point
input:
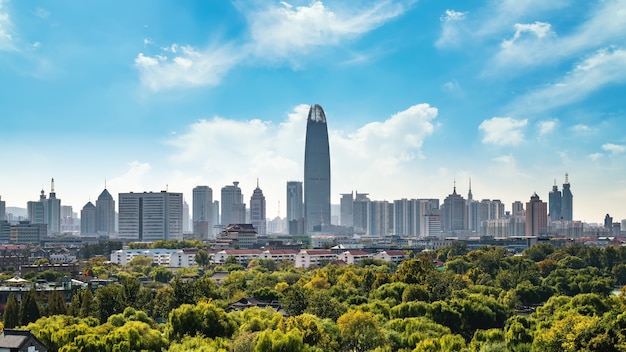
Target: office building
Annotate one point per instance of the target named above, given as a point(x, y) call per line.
point(28, 233)
point(105, 213)
point(185, 216)
point(536, 216)
point(295, 205)
point(554, 203)
point(360, 208)
point(316, 170)
point(148, 216)
point(566, 201)
point(54, 211)
point(345, 209)
point(453, 212)
point(88, 216)
point(233, 207)
point(3, 210)
point(202, 212)
point(257, 211)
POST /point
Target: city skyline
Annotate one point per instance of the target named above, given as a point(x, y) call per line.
point(162, 96)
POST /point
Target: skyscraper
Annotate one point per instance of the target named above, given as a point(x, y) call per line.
point(3, 214)
point(233, 207)
point(105, 213)
point(202, 211)
point(88, 221)
point(345, 209)
point(453, 212)
point(54, 211)
point(316, 170)
point(295, 206)
point(554, 200)
point(257, 210)
point(566, 201)
point(536, 216)
point(151, 216)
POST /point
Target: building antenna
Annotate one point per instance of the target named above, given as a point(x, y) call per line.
point(566, 178)
point(167, 187)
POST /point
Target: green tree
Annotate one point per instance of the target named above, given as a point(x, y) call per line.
point(204, 318)
point(56, 303)
point(109, 300)
point(87, 304)
point(202, 258)
point(11, 314)
point(295, 300)
point(29, 309)
point(360, 331)
point(161, 274)
point(278, 341)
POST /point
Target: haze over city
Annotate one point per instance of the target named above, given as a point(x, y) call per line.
point(147, 96)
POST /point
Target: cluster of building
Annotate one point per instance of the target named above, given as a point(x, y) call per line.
point(180, 258)
point(164, 215)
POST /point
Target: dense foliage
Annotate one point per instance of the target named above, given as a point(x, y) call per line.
point(547, 299)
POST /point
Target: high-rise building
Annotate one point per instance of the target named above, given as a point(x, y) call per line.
point(215, 218)
point(536, 216)
point(151, 216)
point(345, 209)
point(295, 205)
point(105, 213)
point(566, 201)
point(360, 208)
point(88, 216)
point(517, 209)
point(37, 209)
point(316, 170)
point(608, 222)
point(453, 212)
point(257, 211)
point(380, 218)
point(233, 207)
point(3, 210)
point(554, 203)
point(472, 211)
point(54, 211)
point(406, 217)
point(202, 212)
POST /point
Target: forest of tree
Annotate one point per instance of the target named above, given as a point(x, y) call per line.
point(546, 300)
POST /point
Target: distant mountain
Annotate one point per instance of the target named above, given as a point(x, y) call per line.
point(17, 211)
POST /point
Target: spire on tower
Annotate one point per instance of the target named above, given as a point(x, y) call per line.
point(566, 178)
point(257, 182)
point(52, 185)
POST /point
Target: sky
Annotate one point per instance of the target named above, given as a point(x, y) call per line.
point(418, 95)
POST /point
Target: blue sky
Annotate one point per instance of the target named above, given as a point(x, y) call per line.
point(144, 94)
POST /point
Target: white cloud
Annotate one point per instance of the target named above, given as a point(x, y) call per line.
point(6, 27)
point(538, 29)
point(595, 156)
point(606, 26)
point(581, 128)
point(506, 12)
point(604, 67)
point(186, 68)
point(503, 130)
point(505, 159)
point(133, 179)
point(452, 87)
point(283, 31)
point(452, 28)
point(614, 148)
point(279, 32)
point(546, 127)
point(220, 150)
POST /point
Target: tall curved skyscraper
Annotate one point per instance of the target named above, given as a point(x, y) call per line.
point(316, 170)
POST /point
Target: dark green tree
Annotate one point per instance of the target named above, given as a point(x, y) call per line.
point(109, 300)
point(86, 304)
point(56, 303)
point(202, 258)
point(29, 309)
point(11, 314)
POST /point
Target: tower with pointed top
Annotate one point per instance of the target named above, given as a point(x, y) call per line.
point(53, 210)
point(316, 170)
point(554, 200)
point(105, 213)
point(453, 211)
point(257, 210)
point(202, 212)
point(88, 219)
point(566, 201)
